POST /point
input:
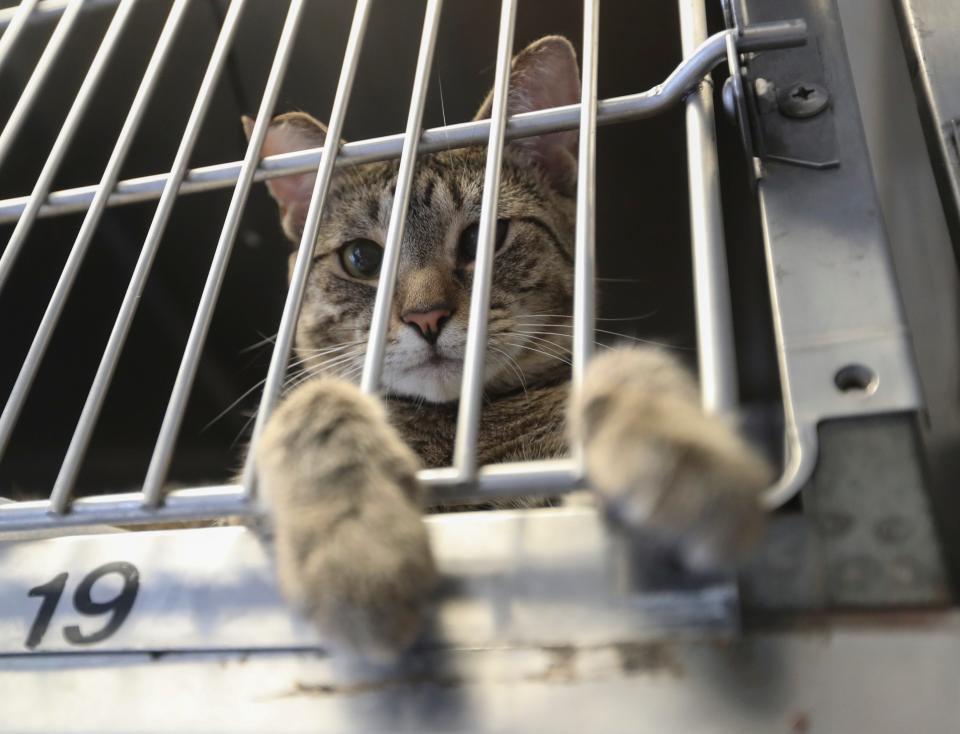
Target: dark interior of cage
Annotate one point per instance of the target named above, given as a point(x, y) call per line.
point(644, 287)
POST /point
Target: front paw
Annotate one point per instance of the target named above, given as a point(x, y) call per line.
point(351, 548)
point(661, 464)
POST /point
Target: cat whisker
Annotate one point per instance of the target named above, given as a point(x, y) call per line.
point(256, 345)
point(618, 334)
point(512, 363)
point(233, 405)
point(547, 315)
point(540, 351)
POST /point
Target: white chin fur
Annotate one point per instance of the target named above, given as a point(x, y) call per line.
point(438, 383)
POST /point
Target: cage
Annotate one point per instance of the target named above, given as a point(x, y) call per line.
point(762, 187)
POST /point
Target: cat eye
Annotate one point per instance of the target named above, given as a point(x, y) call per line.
point(467, 245)
point(361, 258)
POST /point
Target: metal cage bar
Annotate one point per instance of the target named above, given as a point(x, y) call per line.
point(584, 323)
point(176, 408)
point(48, 9)
point(59, 150)
point(85, 235)
point(301, 268)
point(471, 388)
point(376, 343)
point(40, 72)
point(31, 364)
point(715, 347)
point(101, 383)
point(17, 21)
point(464, 479)
point(762, 36)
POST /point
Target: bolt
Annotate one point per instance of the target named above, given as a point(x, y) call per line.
point(855, 573)
point(904, 572)
point(803, 99)
point(833, 524)
point(892, 529)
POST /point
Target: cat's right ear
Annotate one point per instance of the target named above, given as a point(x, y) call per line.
point(291, 132)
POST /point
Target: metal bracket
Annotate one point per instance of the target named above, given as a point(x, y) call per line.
point(781, 105)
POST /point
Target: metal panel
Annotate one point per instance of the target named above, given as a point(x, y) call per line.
point(893, 676)
point(541, 577)
point(917, 228)
point(931, 29)
point(841, 336)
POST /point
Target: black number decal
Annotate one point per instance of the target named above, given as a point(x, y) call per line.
point(51, 593)
point(119, 606)
point(83, 602)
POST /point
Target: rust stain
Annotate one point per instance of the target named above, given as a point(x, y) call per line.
point(638, 658)
point(800, 723)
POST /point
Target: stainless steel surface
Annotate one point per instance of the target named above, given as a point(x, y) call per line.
point(835, 674)
point(160, 462)
point(916, 222)
point(380, 321)
point(471, 388)
point(715, 348)
point(638, 106)
point(301, 267)
point(931, 28)
point(829, 267)
point(585, 252)
point(28, 215)
point(40, 72)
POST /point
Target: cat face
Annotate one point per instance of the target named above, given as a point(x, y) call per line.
point(531, 296)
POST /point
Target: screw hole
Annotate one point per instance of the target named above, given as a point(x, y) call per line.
point(856, 378)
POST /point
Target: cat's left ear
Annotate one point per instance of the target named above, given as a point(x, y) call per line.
point(288, 133)
point(545, 74)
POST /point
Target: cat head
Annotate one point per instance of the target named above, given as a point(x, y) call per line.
point(529, 325)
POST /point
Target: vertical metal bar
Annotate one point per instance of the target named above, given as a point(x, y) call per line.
point(47, 59)
point(373, 365)
point(71, 465)
point(49, 9)
point(69, 129)
point(584, 318)
point(301, 268)
point(176, 408)
point(715, 347)
point(471, 390)
point(138, 280)
point(87, 229)
point(17, 23)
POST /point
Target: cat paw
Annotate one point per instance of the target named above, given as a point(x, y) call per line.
point(660, 464)
point(351, 548)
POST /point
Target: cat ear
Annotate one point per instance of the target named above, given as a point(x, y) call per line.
point(545, 74)
point(288, 133)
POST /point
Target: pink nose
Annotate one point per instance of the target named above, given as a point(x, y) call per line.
point(428, 323)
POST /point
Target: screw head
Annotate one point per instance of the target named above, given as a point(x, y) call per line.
point(804, 99)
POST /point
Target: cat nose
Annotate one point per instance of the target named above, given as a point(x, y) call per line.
point(428, 323)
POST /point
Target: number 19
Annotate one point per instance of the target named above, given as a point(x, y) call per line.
point(119, 606)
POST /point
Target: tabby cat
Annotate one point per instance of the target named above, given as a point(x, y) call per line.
point(339, 468)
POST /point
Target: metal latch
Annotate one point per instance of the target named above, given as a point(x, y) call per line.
point(780, 103)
